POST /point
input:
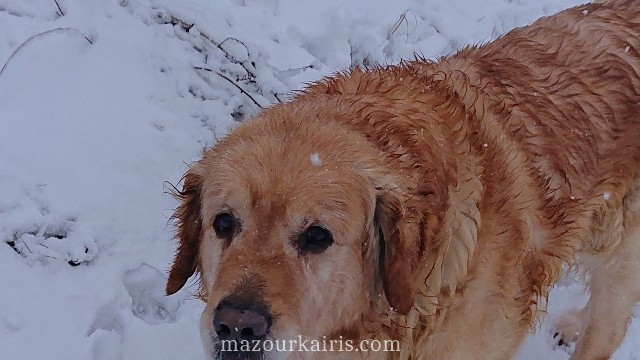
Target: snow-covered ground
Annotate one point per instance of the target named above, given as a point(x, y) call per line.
point(103, 101)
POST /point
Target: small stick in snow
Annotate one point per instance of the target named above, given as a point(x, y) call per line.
point(59, 12)
point(232, 83)
point(403, 19)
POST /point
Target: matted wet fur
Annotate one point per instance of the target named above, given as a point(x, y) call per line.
point(456, 193)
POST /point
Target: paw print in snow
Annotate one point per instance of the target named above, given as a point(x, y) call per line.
point(55, 240)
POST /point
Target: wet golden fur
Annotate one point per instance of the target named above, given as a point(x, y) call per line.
point(457, 191)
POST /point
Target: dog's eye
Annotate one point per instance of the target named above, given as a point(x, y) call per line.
point(225, 225)
point(315, 240)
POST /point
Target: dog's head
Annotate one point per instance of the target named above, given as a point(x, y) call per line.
point(298, 227)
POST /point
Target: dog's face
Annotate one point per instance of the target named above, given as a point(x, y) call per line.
point(284, 220)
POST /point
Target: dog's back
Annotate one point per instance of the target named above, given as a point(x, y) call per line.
point(566, 91)
point(561, 100)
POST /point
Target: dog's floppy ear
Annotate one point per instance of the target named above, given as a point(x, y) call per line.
point(427, 246)
point(400, 239)
point(406, 225)
point(189, 231)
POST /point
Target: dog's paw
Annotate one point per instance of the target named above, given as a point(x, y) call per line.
point(562, 340)
point(567, 329)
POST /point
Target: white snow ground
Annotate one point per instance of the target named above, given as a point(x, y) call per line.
point(101, 103)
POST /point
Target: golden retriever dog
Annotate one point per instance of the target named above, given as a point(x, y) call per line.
point(431, 203)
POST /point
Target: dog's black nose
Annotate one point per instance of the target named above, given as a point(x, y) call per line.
point(240, 323)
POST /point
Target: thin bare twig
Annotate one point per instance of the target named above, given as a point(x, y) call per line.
point(38, 36)
point(246, 64)
point(27, 246)
point(219, 45)
point(402, 19)
point(59, 12)
point(231, 57)
point(232, 83)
